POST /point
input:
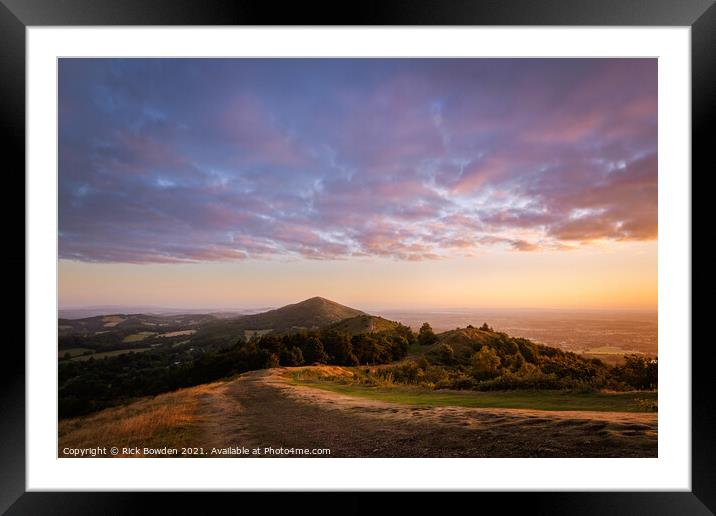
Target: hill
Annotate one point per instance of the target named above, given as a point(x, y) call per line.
point(468, 338)
point(312, 313)
point(128, 323)
point(115, 332)
point(93, 374)
point(363, 324)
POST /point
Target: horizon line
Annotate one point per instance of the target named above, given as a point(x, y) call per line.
point(227, 308)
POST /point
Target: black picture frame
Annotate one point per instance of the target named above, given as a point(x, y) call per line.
point(17, 15)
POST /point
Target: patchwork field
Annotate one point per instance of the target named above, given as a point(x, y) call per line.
point(177, 333)
point(136, 337)
point(115, 353)
point(72, 352)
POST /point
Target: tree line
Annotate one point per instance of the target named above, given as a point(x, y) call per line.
point(91, 385)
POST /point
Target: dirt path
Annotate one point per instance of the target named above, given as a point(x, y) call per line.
point(263, 409)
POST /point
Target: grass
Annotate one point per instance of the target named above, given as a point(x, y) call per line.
point(178, 333)
point(612, 359)
point(611, 355)
point(72, 351)
point(535, 400)
point(165, 420)
point(114, 353)
point(136, 337)
point(111, 321)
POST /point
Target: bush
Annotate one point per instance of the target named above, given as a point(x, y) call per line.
point(463, 382)
point(426, 336)
point(485, 363)
point(291, 356)
point(444, 354)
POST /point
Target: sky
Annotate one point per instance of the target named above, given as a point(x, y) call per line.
point(395, 183)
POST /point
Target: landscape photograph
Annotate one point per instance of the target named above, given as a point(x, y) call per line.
point(357, 258)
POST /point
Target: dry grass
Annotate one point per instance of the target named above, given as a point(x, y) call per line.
point(178, 333)
point(165, 420)
point(111, 321)
point(322, 372)
point(136, 337)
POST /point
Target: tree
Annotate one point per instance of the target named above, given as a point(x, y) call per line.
point(407, 333)
point(639, 372)
point(314, 353)
point(445, 354)
point(366, 348)
point(485, 363)
point(485, 327)
point(427, 336)
point(515, 362)
point(271, 343)
point(339, 348)
point(398, 347)
point(291, 356)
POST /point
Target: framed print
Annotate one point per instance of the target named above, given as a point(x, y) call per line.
point(426, 248)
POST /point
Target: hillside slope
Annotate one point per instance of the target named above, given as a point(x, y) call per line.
point(363, 324)
point(310, 314)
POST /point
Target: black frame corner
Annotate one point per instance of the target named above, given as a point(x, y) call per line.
point(17, 15)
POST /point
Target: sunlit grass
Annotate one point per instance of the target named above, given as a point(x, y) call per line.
point(355, 385)
point(165, 420)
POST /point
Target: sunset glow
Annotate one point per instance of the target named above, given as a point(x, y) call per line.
point(395, 183)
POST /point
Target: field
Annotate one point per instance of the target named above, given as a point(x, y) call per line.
point(115, 353)
point(178, 333)
point(112, 320)
point(136, 337)
point(73, 352)
point(578, 331)
point(520, 399)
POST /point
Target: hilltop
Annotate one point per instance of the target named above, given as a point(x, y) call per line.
point(310, 314)
point(363, 324)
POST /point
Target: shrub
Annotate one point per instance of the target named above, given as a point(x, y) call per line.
point(485, 363)
point(445, 354)
point(426, 336)
point(291, 356)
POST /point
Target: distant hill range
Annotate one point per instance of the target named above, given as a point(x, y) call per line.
point(311, 314)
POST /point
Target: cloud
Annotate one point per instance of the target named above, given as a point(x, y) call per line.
point(413, 159)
